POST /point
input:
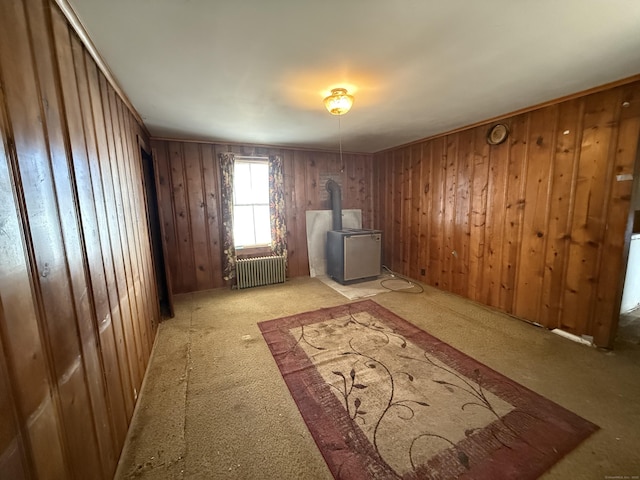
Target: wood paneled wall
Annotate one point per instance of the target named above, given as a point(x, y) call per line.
point(78, 303)
point(188, 175)
point(534, 226)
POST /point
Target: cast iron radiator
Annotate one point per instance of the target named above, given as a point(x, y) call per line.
point(253, 272)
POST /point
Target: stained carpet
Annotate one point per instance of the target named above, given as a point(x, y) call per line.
point(366, 289)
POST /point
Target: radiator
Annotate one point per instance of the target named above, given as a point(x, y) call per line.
point(253, 272)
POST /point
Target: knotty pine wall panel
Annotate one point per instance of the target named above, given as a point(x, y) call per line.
point(534, 226)
point(11, 440)
point(620, 218)
point(78, 302)
point(189, 199)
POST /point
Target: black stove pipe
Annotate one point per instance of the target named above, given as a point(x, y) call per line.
point(336, 203)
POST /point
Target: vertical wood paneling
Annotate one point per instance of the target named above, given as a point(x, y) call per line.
point(97, 316)
point(396, 213)
point(166, 207)
point(350, 191)
point(186, 281)
point(568, 134)
point(312, 178)
point(128, 240)
point(479, 184)
point(405, 217)
point(137, 220)
point(461, 214)
point(387, 192)
point(122, 409)
point(62, 329)
point(425, 208)
point(24, 353)
point(14, 460)
point(65, 363)
point(540, 145)
point(212, 205)
point(379, 201)
point(195, 213)
point(588, 218)
point(105, 305)
point(415, 206)
point(537, 223)
point(611, 263)
point(296, 238)
point(189, 197)
point(364, 180)
point(26, 357)
point(450, 255)
point(408, 227)
point(199, 223)
point(437, 192)
point(514, 204)
point(116, 215)
point(119, 183)
point(375, 183)
point(493, 222)
point(131, 199)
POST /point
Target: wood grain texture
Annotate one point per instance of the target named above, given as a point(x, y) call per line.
point(535, 219)
point(479, 188)
point(77, 297)
point(535, 226)
point(12, 442)
point(189, 201)
point(21, 331)
point(619, 218)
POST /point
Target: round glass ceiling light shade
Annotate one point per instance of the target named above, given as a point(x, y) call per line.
point(339, 102)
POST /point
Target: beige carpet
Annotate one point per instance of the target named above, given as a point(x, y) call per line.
point(214, 404)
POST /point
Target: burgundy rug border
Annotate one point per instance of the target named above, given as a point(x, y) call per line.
point(272, 331)
point(330, 441)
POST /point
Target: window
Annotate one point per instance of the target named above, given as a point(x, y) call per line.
point(251, 223)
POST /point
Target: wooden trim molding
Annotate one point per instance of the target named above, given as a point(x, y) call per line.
point(78, 27)
point(248, 252)
point(255, 145)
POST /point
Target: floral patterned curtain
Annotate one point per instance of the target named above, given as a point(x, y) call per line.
point(276, 206)
point(226, 195)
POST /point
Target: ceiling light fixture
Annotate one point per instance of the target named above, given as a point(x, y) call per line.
point(339, 102)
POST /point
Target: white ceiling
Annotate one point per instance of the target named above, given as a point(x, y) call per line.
point(256, 71)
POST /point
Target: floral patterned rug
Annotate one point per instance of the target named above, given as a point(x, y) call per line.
point(386, 400)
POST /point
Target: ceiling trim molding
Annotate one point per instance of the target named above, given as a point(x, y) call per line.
point(78, 27)
point(255, 145)
point(571, 96)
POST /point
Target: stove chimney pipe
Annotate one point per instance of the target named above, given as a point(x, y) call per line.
point(336, 203)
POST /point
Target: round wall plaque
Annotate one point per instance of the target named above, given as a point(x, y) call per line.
point(497, 134)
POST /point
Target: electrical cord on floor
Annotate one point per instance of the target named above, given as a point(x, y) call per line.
point(396, 276)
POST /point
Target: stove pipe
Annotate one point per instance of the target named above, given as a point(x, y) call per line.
point(336, 203)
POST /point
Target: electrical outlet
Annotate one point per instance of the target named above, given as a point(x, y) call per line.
point(423, 271)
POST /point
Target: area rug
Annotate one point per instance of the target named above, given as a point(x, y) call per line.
point(386, 400)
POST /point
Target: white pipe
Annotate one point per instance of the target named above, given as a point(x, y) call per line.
point(573, 337)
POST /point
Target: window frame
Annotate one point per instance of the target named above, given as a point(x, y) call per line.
point(257, 248)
